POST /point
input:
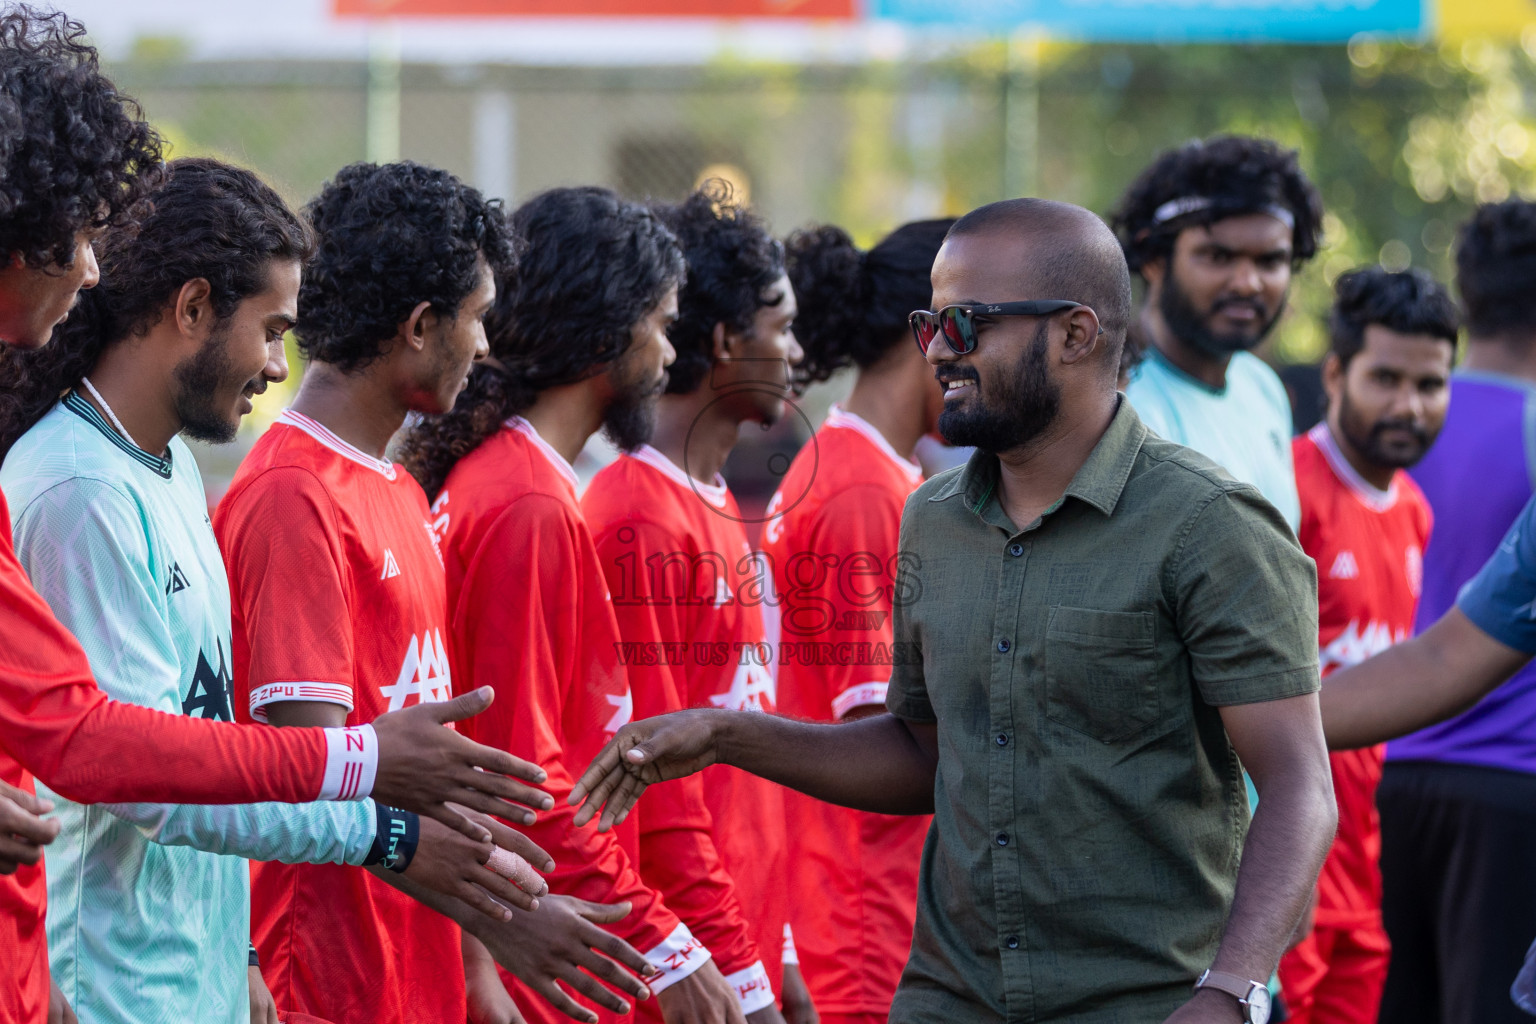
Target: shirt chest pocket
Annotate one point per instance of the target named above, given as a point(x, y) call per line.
point(1100, 672)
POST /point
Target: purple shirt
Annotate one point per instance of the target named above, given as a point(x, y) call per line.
point(1477, 478)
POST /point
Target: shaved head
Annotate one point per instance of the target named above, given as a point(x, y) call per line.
point(1058, 251)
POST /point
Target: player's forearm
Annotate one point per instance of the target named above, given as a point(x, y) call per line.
point(1415, 684)
point(874, 764)
point(1287, 841)
point(317, 833)
point(118, 753)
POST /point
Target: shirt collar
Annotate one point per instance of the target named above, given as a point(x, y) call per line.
point(1099, 481)
point(556, 460)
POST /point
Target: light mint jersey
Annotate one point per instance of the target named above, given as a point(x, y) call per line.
point(1244, 427)
point(143, 926)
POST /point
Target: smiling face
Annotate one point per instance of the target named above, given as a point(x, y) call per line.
point(1001, 394)
point(1225, 285)
point(241, 356)
point(33, 301)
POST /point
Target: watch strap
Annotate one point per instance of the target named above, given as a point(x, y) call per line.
point(1232, 984)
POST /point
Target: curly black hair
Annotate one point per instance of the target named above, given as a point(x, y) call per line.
point(1495, 266)
point(732, 260)
point(1211, 180)
point(390, 237)
point(593, 266)
point(208, 220)
point(854, 304)
point(1408, 302)
point(76, 154)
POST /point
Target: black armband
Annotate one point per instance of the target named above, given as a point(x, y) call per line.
point(255, 961)
point(395, 839)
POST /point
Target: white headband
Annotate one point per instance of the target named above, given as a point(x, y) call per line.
point(1176, 208)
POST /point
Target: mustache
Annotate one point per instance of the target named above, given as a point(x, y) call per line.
point(1222, 305)
point(1419, 433)
point(944, 376)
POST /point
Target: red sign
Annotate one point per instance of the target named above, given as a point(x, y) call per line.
point(840, 9)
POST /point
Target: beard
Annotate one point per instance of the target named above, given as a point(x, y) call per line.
point(630, 419)
point(1193, 328)
point(1019, 409)
point(1370, 441)
point(200, 379)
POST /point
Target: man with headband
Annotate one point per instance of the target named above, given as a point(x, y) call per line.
point(1216, 229)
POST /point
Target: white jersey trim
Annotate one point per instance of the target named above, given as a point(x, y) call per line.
point(1374, 497)
point(325, 436)
point(273, 693)
point(351, 763)
point(676, 957)
point(861, 695)
point(715, 493)
point(837, 416)
point(753, 989)
point(557, 460)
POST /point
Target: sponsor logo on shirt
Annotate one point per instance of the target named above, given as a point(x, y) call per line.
point(624, 711)
point(749, 686)
point(391, 567)
point(1355, 644)
point(1344, 567)
point(424, 673)
point(211, 691)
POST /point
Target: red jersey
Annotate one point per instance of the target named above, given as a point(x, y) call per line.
point(337, 595)
point(832, 536)
point(689, 596)
point(1369, 548)
point(530, 615)
point(55, 722)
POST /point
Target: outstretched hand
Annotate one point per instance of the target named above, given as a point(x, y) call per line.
point(561, 942)
point(487, 877)
point(425, 768)
point(642, 754)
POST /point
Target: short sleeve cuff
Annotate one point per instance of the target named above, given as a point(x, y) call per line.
point(676, 957)
point(1493, 617)
point(753, 988)
point(910, 706)
point(858, 696)
point(351, 763)
point(272, 693)
point(1258, 689)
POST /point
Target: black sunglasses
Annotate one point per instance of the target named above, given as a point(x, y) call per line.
point(958, 323)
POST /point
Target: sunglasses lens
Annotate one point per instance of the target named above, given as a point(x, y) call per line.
point(955, 322)
point(923, 329)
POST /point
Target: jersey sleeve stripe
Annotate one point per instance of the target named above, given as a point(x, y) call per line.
point(858, 696)
point(351, 763)
point(677, 956)
point(272, 693)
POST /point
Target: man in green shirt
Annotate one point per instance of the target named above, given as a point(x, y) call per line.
point(1092, 626)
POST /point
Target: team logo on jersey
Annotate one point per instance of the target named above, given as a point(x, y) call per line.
point(211, 691)
point(1354, 644)
point(751, 684)
point(177, 582)
point(391, 567)
point(1344, 567)
point(424, 673)
point(623, 713)
point(1413, 565)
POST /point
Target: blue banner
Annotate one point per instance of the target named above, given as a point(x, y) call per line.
point(1188, 21)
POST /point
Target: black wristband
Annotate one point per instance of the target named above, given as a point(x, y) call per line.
point(394, 839)
point(255, 961)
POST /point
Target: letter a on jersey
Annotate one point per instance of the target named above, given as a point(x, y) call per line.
point(424, 673)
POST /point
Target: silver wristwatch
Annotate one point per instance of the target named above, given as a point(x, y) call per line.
point(1252, 996)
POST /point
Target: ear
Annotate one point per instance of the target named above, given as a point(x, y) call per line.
point(414, 328)
point(194, 308)
point(721, 341)
point(1083, 336)
point(1153, 271)
point(1333, 377)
